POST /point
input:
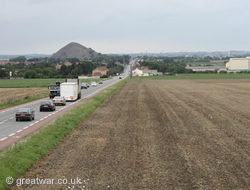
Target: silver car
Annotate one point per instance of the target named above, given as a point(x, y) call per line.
point(94, 84)
point(59, 101)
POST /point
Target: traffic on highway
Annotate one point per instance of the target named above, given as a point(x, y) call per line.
point(10, 126)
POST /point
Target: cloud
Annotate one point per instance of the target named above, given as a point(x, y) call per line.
point(123, 25)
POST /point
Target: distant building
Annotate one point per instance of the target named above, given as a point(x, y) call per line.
point(67, 64)
point(144, 71)
point(238, 64)
point(100, 71)
point(58, 67)
point(207, 68)
point(118, 63)
point(137, 72)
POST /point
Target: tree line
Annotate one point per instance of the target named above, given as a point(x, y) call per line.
point(46, 67)
point(167, 66)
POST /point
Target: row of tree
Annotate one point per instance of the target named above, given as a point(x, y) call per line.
point(46, 67)
point(167, 65)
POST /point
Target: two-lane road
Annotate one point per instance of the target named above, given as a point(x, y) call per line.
point(9, 127)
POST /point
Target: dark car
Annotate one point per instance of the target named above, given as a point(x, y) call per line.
point(47, 105)
point(84, 85)
point(100, 82)
point(25, 114)
point(120, 77)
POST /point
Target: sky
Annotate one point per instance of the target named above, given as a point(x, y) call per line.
point(124, 26)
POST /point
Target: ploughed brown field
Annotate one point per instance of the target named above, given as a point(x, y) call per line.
point(158, 134)
point(16, 94)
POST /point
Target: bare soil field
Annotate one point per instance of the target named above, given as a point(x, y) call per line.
point(157, 134)
point(16, 94)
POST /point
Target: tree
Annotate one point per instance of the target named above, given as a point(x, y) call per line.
point(30, 74)
point(64, 70)
point(3, 73)
point(20, 59)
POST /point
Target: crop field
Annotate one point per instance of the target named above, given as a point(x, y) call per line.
point(158, 134)
point(8, 95)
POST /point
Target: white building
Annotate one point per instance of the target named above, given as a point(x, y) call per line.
point(145, 72)
point(238, 64)
point(137, 72)
point(207, 68)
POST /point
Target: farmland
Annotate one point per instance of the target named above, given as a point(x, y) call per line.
point(158, 134)
point(14, 96)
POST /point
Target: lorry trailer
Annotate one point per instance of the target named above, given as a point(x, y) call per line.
point(69, 91)
point(78, 82)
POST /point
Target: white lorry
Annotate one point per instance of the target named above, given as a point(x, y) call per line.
point(78, 82)
point(69, 91)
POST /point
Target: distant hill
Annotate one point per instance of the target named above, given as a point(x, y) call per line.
point(75, 50)
point(28, 56)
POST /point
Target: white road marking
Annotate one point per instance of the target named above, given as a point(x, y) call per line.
point(12, 134)
point(3, 138)
point(19, 131)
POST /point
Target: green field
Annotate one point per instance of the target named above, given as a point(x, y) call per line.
point(200, 76)
point(31, 83)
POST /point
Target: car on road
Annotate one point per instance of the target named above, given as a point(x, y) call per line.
point(94, 84)
point(120, 77)
point(59, 100)
point(84, 86)
point(47, 105)
point(100, 82)
point(25, 114)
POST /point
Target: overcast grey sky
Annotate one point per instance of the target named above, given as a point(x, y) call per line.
point(124, 26)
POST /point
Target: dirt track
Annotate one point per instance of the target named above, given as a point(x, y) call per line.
point(158, 134)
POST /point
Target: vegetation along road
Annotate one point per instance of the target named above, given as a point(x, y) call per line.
point(158, 134)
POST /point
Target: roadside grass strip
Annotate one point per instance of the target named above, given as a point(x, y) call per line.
point(19, 157)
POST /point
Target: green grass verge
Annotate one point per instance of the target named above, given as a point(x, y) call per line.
point(18, 158)
point(200, 76)
point(30, 83)
point(15, 103)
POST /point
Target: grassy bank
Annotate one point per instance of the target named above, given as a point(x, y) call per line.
point(17, 159)
point(15, 103)
point(200, 76)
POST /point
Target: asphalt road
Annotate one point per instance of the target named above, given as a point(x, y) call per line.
point(9, 126)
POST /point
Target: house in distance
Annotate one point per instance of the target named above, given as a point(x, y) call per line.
point(100, 71)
